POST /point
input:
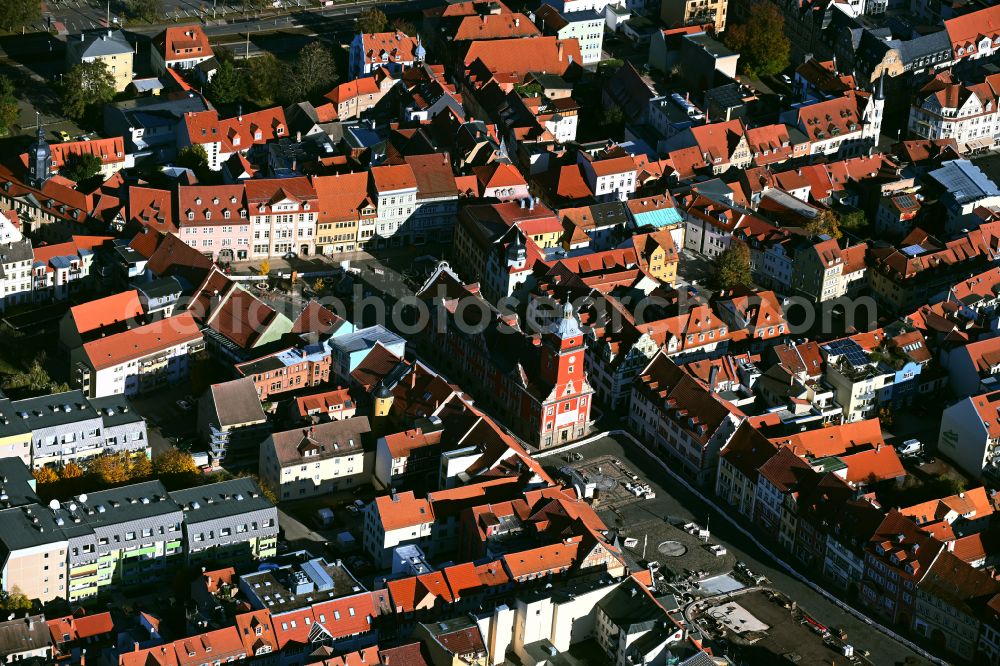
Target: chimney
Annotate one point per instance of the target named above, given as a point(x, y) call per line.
point(298, 136)
point(413, 378)
point(712, 375)
point(559, 50)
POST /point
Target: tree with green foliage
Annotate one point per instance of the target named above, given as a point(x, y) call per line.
point(81, 167)
point(404, 26)
point(193, 157)
point(144, 10)
point(87, 84)
point(265, 79)
point(613, 120)
point(312, 73)
point(14, 601)
point(826, 223)
point(855, 222)
point(731, 268)
point(761, 42)
point(9, 111)
point(17, 13)
point(34, 380)
point(371, 20)
point(227, 85)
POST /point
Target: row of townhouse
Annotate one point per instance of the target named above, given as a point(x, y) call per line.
point(129, 535)
point(908, 566)
point(414, 202)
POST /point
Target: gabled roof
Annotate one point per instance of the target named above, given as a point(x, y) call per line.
point(183, 42)
point(142, 341)
point(495, 26)
point(403, 510)
point(382, 47)
point(103, 312)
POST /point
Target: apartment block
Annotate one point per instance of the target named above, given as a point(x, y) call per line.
point(230, 521)
point(69, 427)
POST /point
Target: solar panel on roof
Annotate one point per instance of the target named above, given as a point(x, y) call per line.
point(913, 250)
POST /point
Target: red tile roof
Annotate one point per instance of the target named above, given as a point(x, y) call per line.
point(110, 151)
point(403, 510)
point(142, 341)
point(835, 117)
point(398, 47)
point(513, 59)
point(835, 440)
point(72, 628)
point(102, 312)
point(323, 402)
point(151, 208)
point(495, 26)
point(343, 197)
point(873, 466)
point(256, 632)
point(419, 592)
point(206, 205)
point(239, 132)
point(219, 645)
point(183, 42)
point(970, 29)
point(393, 178)
point(161, 655)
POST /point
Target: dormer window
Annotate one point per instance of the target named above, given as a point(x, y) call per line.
point(232, 200)
point(190, 214)
point(236, 140)
point(243, 213)
point(197, 200)
point(225, 214)
point(257, 135)
point(208, 215)
point(280, 130)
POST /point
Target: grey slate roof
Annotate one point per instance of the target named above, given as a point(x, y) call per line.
point(115, 410)
point(161, 288)
point(48, 411)
point(236, 402)
point(221, 500)
point(330, 439)
point(99, 44)
point(365, 339)
point(139, 501)
point(17, 485)
point(24, 635)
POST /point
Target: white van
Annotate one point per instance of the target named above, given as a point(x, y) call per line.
point(910, 447)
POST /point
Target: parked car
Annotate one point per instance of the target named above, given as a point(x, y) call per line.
point(63, 135)
point(910, 447)
point(289, 255)
point(184, 405)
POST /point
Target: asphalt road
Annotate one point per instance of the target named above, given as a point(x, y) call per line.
point(675, 501)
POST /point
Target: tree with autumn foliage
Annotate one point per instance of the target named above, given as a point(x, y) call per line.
point(174, 461)
point(44, 475)
point(111, 469)
point(71, 471)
